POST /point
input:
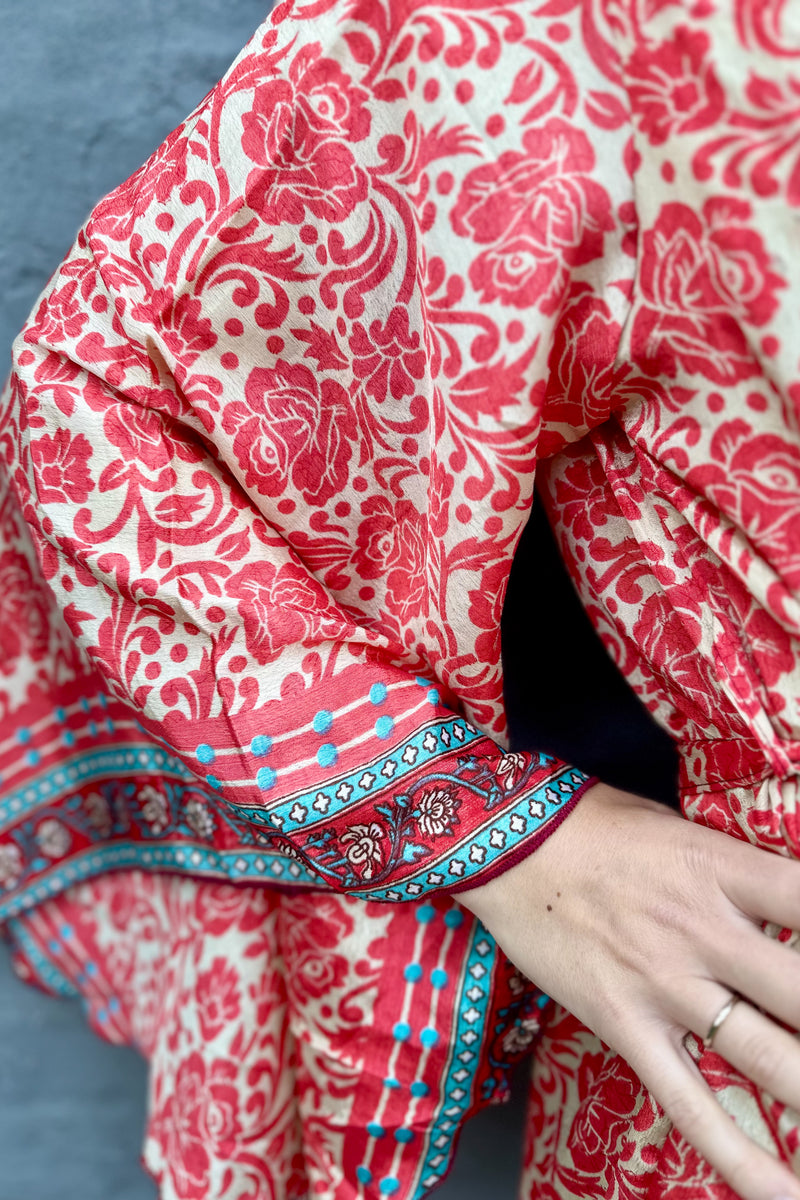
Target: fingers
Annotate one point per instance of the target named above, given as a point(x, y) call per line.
point(763, 970)
point(677, 1085)
point(764, 886)
point(761, 1051)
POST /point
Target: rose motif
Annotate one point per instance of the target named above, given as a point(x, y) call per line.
point(199, 819)
point(704, 278)
point(584, 384)
point(200, 1114)
point(318, 923)
point(363, 847)
point(221, 907)
point(538, 212)
point(388, 357)
point(315, 101)
point(10, 864)
point(754, 478)
point(53, 838)
point(218, 998)
point(24, 615)
point(154, 808)
point(669, 641)
point(61, 463)
point(392, 544)
point(292, 425)
point(299, 132)
point(138, 433)
point(317, 974)
point(674, 88)
point(280, 606)
point(437, 812)
point(611, 1094)
point(486, 608)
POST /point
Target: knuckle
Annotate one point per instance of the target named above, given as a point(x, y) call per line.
point(760, 1058)
point(686, 1109)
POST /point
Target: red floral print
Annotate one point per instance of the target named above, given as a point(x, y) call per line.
point(217, 997)
point(289, 422)
point(705, 278)
point(279, 607)
point(61, 460)
point(389, 358)
point(539, 211)
point(674, 88)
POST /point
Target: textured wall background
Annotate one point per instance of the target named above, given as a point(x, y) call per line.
point(90, 88)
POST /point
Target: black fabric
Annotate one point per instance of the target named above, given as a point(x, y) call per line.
point(564, 693)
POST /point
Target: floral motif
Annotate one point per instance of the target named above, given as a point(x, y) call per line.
point(61, 460)
point(510, 768)
point(185, 332)
point(198, 818)
point(706, 280)
point(11, 866)
point(201, 1115)
point(674, 88)
point(24, 612)
point(280, 606)
point(363, 847)
point(389, 358)
point(53, 837)
point(61, 316)
point(290, 421)
point(391, 544)
point(521, 1036)
point(540, 212)
point(138, 433)
point(217, 995)
point(154, 808)
point(299, 130)
point(438, 812)
point(99, 813)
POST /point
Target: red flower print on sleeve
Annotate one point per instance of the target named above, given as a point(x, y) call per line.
point(61, 316)
point(392, 545)
point(299, 131)
point(290, 422)
point(538, 212)
point(703, 278)
point(754, 478)
point(280, 606)
point(185, 332)
point(138, 433)
point(674, 88)
point(200, 1117)
point(315, 101)
point(24, 617)
point(61, 462)
point(584, 380)
point(217, 998)
point(389, 358)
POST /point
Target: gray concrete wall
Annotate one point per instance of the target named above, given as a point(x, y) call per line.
point(90, 87)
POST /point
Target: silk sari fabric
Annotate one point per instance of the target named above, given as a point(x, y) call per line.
point(268, 448)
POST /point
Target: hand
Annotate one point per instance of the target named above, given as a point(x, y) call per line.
point(642, 924)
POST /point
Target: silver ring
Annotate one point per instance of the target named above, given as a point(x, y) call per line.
point(722, 1016)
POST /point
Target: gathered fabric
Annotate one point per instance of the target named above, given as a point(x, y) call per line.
point(268, 447)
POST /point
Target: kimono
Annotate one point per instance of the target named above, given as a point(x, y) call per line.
point(268, 448)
